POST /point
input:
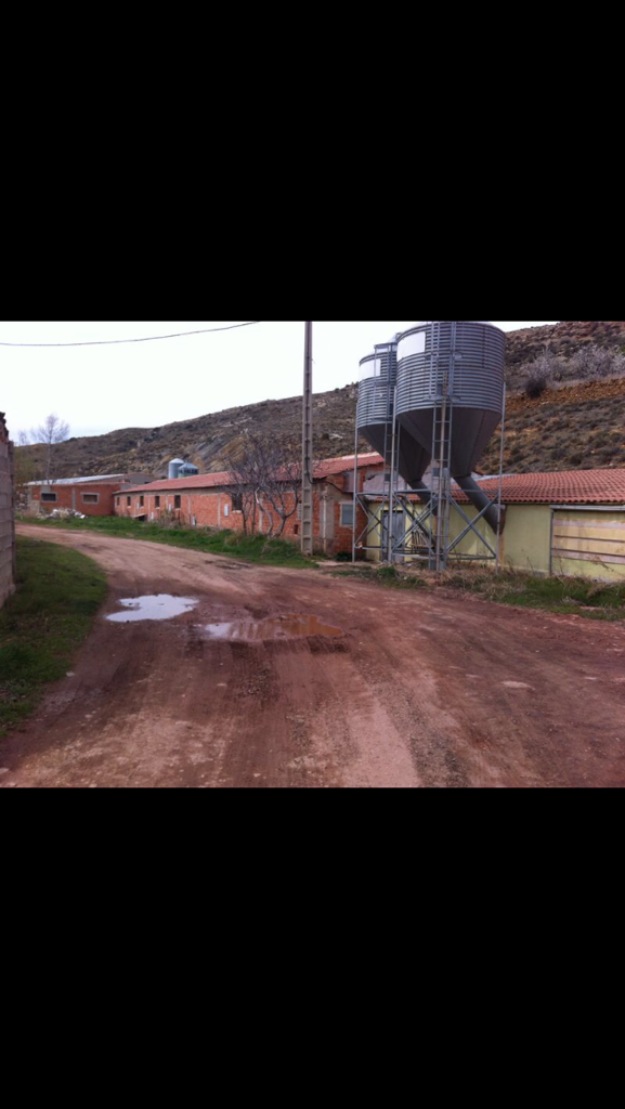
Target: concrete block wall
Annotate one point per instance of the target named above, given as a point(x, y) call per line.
point(7, 514)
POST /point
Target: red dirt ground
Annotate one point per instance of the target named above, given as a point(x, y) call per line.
point(418, 689)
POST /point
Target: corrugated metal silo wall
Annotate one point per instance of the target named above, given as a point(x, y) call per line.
point(465, 357)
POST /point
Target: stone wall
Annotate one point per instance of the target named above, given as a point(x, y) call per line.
point(7, 514)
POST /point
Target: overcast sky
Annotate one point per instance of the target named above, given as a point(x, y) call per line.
point(96, 389)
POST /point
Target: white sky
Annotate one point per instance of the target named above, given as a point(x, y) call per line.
point(96, 389)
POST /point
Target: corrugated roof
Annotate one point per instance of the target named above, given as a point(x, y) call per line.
point(88, 480)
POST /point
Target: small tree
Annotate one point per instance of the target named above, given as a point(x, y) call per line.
point(52, 430)
point(282, 485)
point(266, 480)
point(244, 482)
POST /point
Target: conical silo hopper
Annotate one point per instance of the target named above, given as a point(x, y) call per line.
point(461, 363)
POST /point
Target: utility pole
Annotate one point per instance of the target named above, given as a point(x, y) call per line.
point(307, 462)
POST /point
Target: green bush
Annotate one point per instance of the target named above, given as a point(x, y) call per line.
point(535, 385)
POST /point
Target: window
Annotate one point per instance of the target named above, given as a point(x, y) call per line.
point(117, 501)
point(128, 501)
point(91, 498)
point(48, 496)
point(347, 514)
point(157, 501)
point(177, 500)
point(141, 501)
point(237, 502)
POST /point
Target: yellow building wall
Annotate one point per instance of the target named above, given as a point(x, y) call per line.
point(580, 544)
point(372, 539)
point(526, 538)
point(469, 545)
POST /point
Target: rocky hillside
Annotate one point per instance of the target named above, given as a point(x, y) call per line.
point(571, 423)
point(206, 441)
point(561, 340)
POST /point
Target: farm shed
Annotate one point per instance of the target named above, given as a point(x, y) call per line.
point(92, 496)
point(7, 514)
point(570, 522)
point(216, 500)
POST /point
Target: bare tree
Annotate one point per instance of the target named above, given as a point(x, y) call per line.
point(52, 430)
point(282, 481)
point(589, 362)
point(244, 482)
point(266, 482)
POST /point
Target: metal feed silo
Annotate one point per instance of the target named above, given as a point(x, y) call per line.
point(374, 413)
point(174, 467)
point(450, 395)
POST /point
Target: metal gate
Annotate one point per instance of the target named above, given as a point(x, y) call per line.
point(588, 543)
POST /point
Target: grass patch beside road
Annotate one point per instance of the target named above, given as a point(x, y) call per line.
point(581, 596)
point(42, 624)
point(252, 548)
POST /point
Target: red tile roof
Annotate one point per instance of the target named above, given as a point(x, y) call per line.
point(345, 464)
point(322, 469)
point(561, 487)
point(192, 481)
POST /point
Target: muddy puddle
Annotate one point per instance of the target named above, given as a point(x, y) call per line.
point(159, 606)
point(289, 626)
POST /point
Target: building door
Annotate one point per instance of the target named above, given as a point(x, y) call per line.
point(588, 544)
point(399, 531)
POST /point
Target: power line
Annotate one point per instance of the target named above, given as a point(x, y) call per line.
point(144, 339)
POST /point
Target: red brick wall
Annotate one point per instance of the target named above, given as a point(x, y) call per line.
point(198, 508)
point(73, 496)
point(213, 508)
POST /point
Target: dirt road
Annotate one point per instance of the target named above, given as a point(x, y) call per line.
point(285, 678)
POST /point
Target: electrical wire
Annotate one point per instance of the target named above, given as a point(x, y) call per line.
point(144, 339)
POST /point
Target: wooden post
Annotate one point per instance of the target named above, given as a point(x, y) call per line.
point(307, 460)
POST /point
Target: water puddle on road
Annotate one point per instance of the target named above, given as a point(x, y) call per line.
point(159, 606)
point(290, 626)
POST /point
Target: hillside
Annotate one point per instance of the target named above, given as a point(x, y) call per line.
point(574, 423)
